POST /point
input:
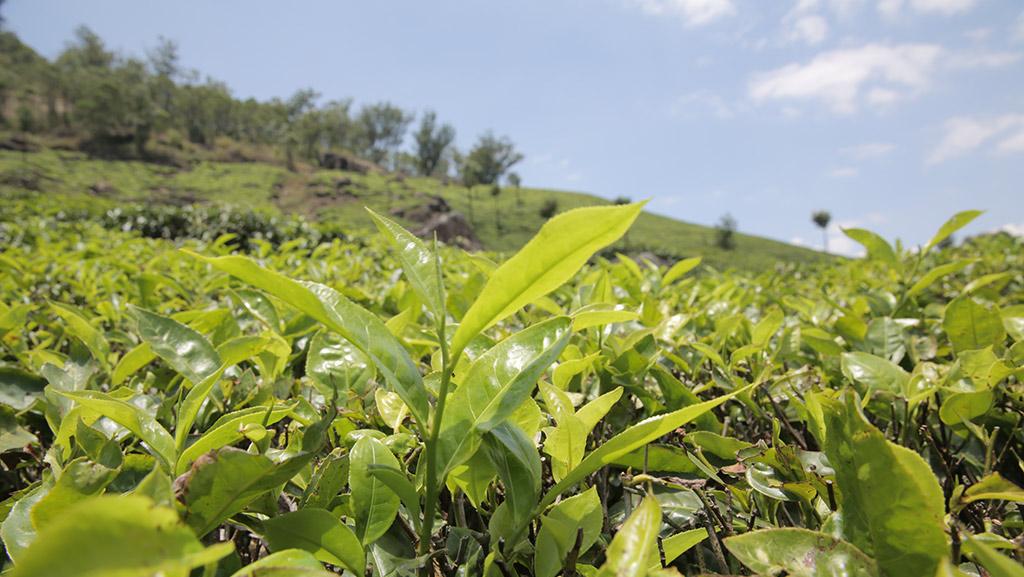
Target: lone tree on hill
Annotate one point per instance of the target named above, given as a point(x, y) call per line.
point(822, 218)
point(431, 142)
point(725, 232)
point(515, 182)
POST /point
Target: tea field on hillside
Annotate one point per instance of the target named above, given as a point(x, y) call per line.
point(308, 404)
point(335, 199)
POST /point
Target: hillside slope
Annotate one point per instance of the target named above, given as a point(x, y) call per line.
point(501, 223)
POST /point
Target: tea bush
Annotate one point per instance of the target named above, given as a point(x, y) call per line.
point(177, 406)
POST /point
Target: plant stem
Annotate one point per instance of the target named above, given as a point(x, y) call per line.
point(432, 482)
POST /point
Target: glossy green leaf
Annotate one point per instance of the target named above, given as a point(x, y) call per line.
point(494, 386)
point(223, 483)
point(123, 536)
point(17, 530)
point(374, 504)
point(320, 533)
point(548, 260)
point(189, 407)
point(633, 438)
point(955, 223)
point(877, 247)
point(997, 565)
point(800, 553)
point(228, 430)
point(678, 270)
point(635, 543)
point(891, 501)
point(131, 417)
point(970, 325)
point(186, 351)
point(80, 479)
point(80, 327)
point(678, 544)
point(357, 325)
point(397, 481)
point(335, 365)
point(559, 527)
point(993, 487)
point(960, 407)
point(418, 263)
point(936, 273)
point(289, 563)
point(876, 373)
point(518, 465)
point(131, 362)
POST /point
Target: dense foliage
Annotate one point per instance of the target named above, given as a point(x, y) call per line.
point(399, 408)
point(154, 108)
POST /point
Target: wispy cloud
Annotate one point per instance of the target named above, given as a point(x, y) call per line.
point(965, 134)
point(845, 79)
point(893, 8)
point(692, 12)
point(804, 24)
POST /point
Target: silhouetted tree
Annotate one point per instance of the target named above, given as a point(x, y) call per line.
point(822, 218)
point(622, 200)
point(549, 208)
point(380, 129)
point(725, 232)
point(515, 182)
point(431, 142)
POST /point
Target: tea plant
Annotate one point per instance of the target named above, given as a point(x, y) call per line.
point(402, 408)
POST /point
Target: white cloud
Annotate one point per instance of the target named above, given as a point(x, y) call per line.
point(804, 24)
point(843, 172)
point(868, 150)
point(965, 134)
point(1016, 229)
point(1014, 144)
point(945, 7)
point(811, 29)
point(841, 79)
point(892, 8)
point(839, 243)
point(693, 12)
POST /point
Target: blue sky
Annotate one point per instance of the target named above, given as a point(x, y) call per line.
point(891, 114)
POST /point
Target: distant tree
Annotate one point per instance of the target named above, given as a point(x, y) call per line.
point(622, 200)
point(469, 175)
point(516, 182)
point(87, 50)
point(945, 243)
point(337, 124)
point(822, 218)
point(549, 208)
point(380, 130)
point(431, 143)
point(163, 60)
point(725, 232)
point(2, 15)
point(491, 157)
point(495, 193)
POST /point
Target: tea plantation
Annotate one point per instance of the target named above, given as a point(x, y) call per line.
point(268, 397)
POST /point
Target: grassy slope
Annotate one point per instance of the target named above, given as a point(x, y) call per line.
point(312, 193)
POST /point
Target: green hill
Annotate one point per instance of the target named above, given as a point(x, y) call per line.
point(501, 223)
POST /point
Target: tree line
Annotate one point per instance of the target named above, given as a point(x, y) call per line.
point(119, 102)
